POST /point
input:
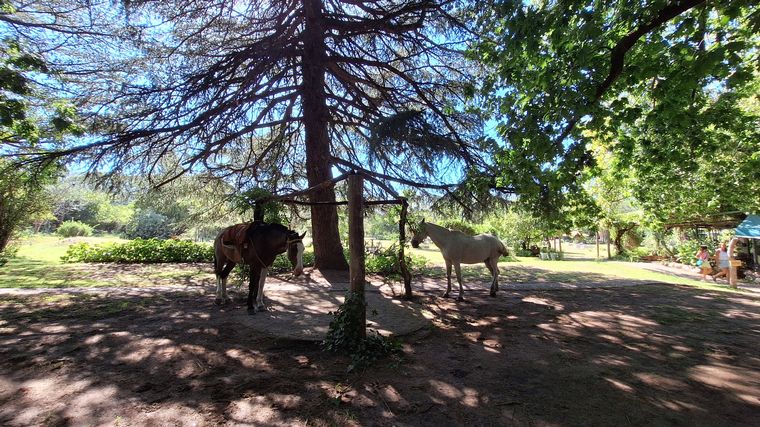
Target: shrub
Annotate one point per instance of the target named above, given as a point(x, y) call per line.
point(73, 229)
point(634, 254)
point(147, 224)
point(377, 261)
point(345, 335)
point(385, 261)
point(8, 253)
point(140, 251)
point(522, 252)
point(686, 251)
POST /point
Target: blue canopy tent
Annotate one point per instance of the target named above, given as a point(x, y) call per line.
point(749, 228)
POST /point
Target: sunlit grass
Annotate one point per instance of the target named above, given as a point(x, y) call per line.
point(37, 264)
point(50, 248)
point(579, 266)
point(40, 273)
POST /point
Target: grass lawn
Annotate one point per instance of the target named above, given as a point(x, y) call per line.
point(579, 265)
point(38, 265)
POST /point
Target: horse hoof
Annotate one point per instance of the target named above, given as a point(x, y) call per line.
point(251, 311)
point(460, 299)
point(262, 308)
point(446, 295)
point(493, 294)
point(218, 301)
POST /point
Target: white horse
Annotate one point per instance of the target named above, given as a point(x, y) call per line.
point(457, 247)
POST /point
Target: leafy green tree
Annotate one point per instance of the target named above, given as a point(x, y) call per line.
point(382, 223)
point(21, 196)
point(648, 72)
point(26, 119)
point(518, 230)
point(75, 199)
point(612, 192)
point(702, 159)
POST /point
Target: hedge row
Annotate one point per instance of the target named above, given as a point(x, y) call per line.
point(141, 251)
point(146, 251)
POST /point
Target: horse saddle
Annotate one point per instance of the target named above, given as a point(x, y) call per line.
point(235, 238)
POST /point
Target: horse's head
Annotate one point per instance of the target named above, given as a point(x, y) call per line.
point(295, 251)
point(419, 233)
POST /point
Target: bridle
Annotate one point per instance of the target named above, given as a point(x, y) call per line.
point(293, 237)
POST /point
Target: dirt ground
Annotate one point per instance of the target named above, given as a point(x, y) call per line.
point(648, 354)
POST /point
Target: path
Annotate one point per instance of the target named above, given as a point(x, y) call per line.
point(691, 273)
point(300, 307)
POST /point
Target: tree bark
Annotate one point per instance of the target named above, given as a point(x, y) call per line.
point(328, 250)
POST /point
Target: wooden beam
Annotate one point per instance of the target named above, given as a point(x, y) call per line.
point(342, 203)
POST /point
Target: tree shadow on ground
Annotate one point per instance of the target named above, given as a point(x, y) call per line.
point(155, 360)
point(642, 355)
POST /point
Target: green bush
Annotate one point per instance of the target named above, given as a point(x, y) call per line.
point(282, 263)
point(686, 251)
point(146, 224)
point(522, 252)
point(73, 229)
point(385, 261)
point(8, 253)
point(633, 255)
point(345, 335)
point(377, 261)
point(140, 251)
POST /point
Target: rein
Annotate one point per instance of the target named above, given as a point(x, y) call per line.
point(288, 242)
point(256, 254)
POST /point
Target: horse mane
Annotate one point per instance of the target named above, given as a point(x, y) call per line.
point(458, 232)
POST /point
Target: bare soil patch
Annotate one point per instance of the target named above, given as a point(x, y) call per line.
point(635, 355)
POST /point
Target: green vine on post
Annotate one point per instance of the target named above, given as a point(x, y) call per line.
point(345, 334)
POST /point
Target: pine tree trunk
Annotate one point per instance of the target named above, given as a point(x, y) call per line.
point(328, 250)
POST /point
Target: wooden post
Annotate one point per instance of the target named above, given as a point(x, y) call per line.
point(401, 258)
point(597, 245)
point(609, 251)
point(258, 211)
point(560, 245)
point(356, 242)
point(732, 279)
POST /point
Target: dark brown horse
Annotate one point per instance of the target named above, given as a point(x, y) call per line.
point(256, 245)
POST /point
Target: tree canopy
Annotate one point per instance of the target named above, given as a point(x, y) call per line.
point(278, 95)
point(271, 94)
point(663, 81)
point(28, 115)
